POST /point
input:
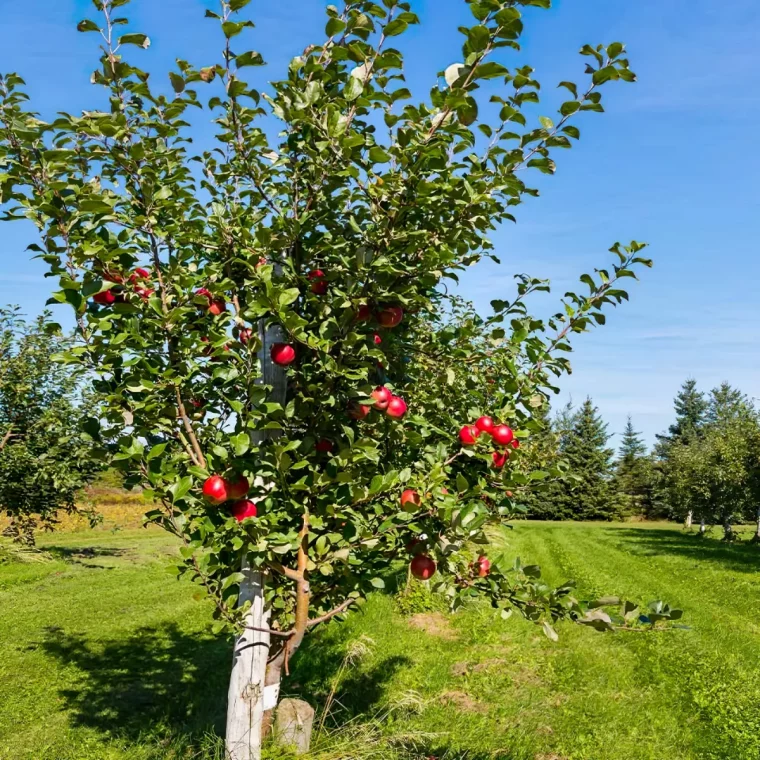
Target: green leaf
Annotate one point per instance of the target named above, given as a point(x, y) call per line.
point(570, 107)
point(395, 27)
point(156, 451)
point(478, 37)
point(240, 443)
point(468, 112)
point(334, 26)
point(87, 26)
point(237, 5)
point(353, 89)
point(178, 83)
point(605, 75)
point(181, 488)
point(141, 40)
point(251, 58)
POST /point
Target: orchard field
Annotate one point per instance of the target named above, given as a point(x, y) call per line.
point(105, 656)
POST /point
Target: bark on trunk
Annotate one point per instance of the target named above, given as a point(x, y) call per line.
point(757, 532)
point(689, 520)
point(702, 527)
point(728, 531)
point(252, 695)
point(248, 697)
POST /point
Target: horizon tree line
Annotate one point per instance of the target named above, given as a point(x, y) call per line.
point(704, 469)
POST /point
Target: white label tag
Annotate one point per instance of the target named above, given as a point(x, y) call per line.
point(271, 694)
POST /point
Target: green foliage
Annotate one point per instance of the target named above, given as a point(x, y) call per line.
point(46, 457)
point(634, 473)
point(712, 472)
point(691, 410)
point(387, 217)
point(417, 597)
point(588, 491)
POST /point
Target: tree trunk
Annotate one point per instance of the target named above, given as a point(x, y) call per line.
point(756, 537)
point(689, 519)
point(702, 527)
point(728, 531)
point(252, 696)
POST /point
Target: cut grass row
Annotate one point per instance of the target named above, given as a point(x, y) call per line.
point(105, 656)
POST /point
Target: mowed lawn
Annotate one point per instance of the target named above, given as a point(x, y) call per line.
point(104, 655)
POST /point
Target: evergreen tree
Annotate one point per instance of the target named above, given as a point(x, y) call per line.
point(691, 412)
point(589, 493)
point(633, 472)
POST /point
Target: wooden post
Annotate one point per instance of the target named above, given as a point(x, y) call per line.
point(294, 724)
point(249, 698)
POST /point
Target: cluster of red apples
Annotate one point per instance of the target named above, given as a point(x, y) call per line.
point(422, 565)
point(501, 435)
point(139, 281)
point(218, 490)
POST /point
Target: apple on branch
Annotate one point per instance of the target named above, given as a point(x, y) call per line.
point(423, 567)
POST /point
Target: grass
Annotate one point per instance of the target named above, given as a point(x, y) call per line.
point(105, 656)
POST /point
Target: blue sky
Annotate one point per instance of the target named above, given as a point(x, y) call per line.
point(674, 162)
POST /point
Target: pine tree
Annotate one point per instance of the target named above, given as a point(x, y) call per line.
point(633, 472)
point(691, 411)
point(590, 494)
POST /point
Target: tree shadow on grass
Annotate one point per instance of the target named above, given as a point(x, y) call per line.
point(739, 557)
point(83, 555)
point(156, 684)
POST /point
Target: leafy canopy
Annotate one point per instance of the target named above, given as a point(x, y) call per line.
point(46, 456)
point(366, 201)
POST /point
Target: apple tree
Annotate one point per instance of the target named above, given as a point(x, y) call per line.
point(46, 455)
point(282, 367)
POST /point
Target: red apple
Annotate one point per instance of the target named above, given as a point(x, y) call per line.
point(410, 500)
point(283, 354)
point(364, 314)
point(216, 490)
point(244, 335)
point(391, 316)
point(377, 339)
point(243, 509)
point(423, 567)
point(469, 435)
point(499, 459)
point(139, 274)
point(509, 494)
point(106, 298)
point(216, 305)
point(485, 425)
point(396, 408)
point(318, 282)
point(144, 293)
point(238, 487)
point(515, 444)
point(324, 446)
point(503, 434)
point(382, 398)
point(484, 566)
point(358, 411)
